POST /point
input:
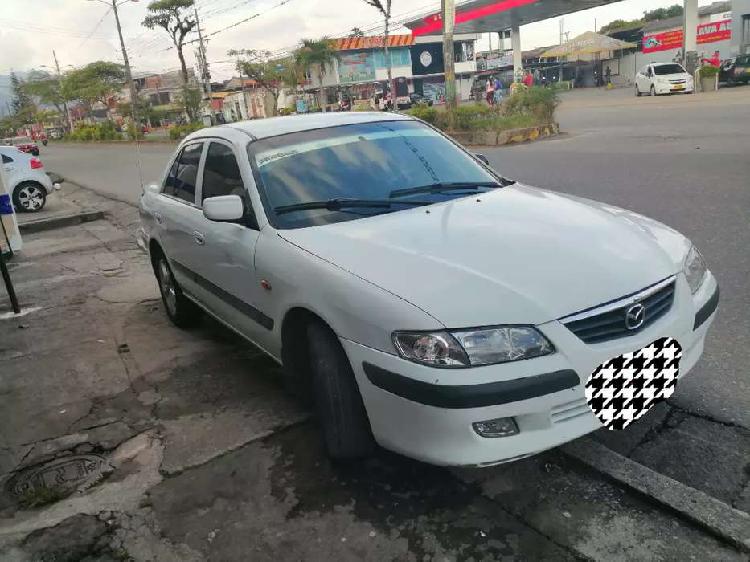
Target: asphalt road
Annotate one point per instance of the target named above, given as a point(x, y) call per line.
point(683, 160)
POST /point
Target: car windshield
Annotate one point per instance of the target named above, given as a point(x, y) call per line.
point(664, 69)
point(743, 61)
point(394, 165)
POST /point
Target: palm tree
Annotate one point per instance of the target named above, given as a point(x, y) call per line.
point(316, 54)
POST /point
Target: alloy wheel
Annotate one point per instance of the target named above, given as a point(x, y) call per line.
point(167, 286)
point(30, 198)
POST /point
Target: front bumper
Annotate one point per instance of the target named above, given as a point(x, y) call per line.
point(428, 413)
point(663, 89)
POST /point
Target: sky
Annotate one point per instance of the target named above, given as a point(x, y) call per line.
point(81, 31)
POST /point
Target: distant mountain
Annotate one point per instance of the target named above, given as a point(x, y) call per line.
point(5, 94)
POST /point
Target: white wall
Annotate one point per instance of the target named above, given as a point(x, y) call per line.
point(396, 72)
point(739, 8)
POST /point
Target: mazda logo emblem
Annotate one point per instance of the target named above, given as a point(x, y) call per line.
point(635, 316)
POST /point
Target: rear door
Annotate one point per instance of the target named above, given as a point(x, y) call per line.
point(227, 267)
point(178, 216)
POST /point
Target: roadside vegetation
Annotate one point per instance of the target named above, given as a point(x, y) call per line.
point(526, 108)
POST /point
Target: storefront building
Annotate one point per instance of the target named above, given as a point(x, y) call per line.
point(740, 27)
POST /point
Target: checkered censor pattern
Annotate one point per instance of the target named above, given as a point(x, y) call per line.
point(623, 389)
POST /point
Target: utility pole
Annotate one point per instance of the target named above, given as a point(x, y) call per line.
point(449, 21)
point(60, 82)
point(205, 73)
point(128, 73)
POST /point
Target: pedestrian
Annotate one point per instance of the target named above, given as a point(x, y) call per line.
point(490, 91)
point(608, 75)
point(528, 79)
point(498, 90)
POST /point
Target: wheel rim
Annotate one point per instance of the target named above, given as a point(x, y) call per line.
point(653, 91)
point(167, 286)
point(31, 198)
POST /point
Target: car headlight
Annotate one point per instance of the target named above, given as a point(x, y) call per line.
point(695, 269)
point(472, 348)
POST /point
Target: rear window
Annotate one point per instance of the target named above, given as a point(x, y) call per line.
point(664, 69)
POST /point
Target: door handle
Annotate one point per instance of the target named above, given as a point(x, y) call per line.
point(199, 238)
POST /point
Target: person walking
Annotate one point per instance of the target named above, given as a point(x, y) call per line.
point(490, 91)
point(528, 79)
point(608, 75)
point(498, 90)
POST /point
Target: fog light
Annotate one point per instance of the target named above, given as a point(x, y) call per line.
point(500, 427)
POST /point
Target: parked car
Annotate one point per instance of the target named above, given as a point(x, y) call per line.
point(663, 78)
point(25, 144)
point(419, 99)
point(735, 71)
point(29, 185)
point(418, 298)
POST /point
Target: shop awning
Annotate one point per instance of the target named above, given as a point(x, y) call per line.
point(588, 43)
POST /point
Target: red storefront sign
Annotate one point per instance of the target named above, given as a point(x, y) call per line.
point(706, 33)
point(433, 24)
point(715, 31)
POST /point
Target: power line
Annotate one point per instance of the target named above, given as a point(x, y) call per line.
point(95, 28)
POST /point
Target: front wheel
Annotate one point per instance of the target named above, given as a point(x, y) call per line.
point(653, 91)
point(341, 412)
point(181, 311)
point(637, 91)
point(29, 197)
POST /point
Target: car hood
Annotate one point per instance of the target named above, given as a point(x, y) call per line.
point(517, 255)
point(676, 76)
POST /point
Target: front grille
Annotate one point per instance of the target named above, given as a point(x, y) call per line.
point(682, 81)
point(610, 325)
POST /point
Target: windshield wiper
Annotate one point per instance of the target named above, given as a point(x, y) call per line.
point(339, 204)
point(448, 186)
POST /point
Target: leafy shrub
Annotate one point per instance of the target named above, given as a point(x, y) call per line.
point(709, 71)
point(105, 131)
point(536, 101)
point(425, 113)
point(181, 131)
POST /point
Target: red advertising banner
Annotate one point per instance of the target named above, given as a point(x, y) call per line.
point(662, 41)
point(715, 31)
point(706, 33)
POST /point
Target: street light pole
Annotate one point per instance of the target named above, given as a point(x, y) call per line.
point(449, 20)
point(128, 73)
point(65, 102)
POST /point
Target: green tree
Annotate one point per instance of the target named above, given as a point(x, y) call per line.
point(313, 55)
point(384, 7)
point(356, 32)
point(21, 103)
point(45, 88)
point(663, 13)
point(270, 74)
point(96, 82)
point(174, 16)
point(191, 99)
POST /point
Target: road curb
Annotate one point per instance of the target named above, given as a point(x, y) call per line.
point(718, 518)
point(60, 221)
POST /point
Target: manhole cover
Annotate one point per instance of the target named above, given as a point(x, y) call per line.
point(56, 478)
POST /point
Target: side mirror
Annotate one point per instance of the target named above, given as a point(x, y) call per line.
point(223, 209)
point(483, 158)
point(152, 188)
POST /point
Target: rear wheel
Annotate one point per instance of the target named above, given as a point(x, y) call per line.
point(637, 91)
point(29, 197)
point(341, 412)
point(653, 91)
point(181, 311)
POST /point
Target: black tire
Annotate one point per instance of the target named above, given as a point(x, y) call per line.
point(29, 197)
point(637, 91)
point(181, 311)
point(653, 91)
point(341, 412)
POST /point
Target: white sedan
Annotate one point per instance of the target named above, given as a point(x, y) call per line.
point(28, 184)
point(663, 78)
point(416, 297)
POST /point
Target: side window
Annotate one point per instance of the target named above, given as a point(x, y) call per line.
point(7, 159)
point(184, 173)
point(221, 173)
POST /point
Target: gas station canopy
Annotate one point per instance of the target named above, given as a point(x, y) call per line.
point(482, 16)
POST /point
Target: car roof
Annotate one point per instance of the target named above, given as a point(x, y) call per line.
point(274, 126)
point(664, 63)
point(13, 151)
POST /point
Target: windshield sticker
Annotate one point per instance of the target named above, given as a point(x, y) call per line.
point(270, 156)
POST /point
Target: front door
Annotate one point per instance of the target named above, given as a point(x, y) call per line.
point(227, 269)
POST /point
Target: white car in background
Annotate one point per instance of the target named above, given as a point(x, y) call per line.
point(28, 183)
point(663, 78)
point(418, 298)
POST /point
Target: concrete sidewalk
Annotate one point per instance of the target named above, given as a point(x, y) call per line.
point(123, 438)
